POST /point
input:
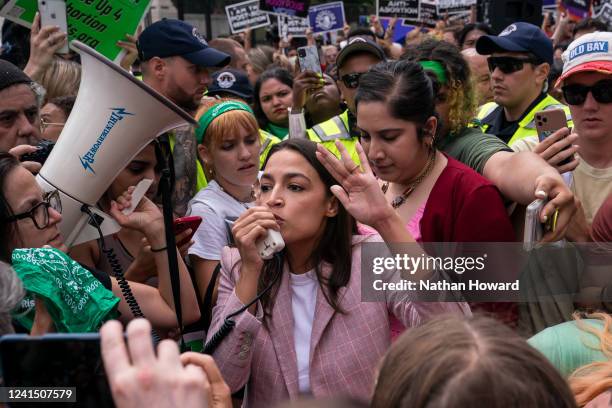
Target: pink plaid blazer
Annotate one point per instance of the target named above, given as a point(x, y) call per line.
point(344, 348)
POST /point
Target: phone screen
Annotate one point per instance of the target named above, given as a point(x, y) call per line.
point(61, 360)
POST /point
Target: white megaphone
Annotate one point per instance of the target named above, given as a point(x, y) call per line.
point(114, 117)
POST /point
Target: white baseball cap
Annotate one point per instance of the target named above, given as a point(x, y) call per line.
point(590, 52)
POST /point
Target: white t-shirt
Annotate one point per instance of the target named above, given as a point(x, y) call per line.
point(214, 206)
point(303, 301)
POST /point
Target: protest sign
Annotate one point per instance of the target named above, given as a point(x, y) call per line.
point(246, 14)
point(401, 8)
point(96, 23)
point(428, 12)
point(604, 13)
point(292, 26)
point(298, 8)
point(326, 17)
point(458, 11)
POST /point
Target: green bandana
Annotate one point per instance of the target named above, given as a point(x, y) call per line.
point(77, 302)
point(216, 111)
point(437, 68)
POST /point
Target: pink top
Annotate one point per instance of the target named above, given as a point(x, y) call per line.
point(413, 227)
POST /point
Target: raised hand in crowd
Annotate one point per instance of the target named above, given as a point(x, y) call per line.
point(129, 45)
point(346, 28)
point(44, 43)
point(218, 391)
point(358, 189)
point(305, 83)
point(557, 147)
point(139, 378)
point(310, 39)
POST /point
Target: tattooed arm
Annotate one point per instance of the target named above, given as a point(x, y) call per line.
point(185, 169)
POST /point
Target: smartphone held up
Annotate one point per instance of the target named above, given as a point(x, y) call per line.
point(53, 13)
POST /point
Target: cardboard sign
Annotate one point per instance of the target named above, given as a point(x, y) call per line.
point(292, 26)
point(326, 17)
point(298, 8)
point(246, 14)
point(401, 8)
point(604, 13)
point(96, 23)
point(428, 13)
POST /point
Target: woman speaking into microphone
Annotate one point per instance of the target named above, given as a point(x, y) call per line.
point(310, 333)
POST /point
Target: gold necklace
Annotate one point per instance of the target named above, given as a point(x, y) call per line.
point(401, 199)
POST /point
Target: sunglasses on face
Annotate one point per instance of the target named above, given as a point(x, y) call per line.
point(576, 94)
point(351, 80)
point(508, 65)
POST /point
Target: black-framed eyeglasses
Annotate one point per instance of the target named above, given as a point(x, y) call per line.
point(576, 94)
point(352, 80)
point(40, 212)
point(508, 65)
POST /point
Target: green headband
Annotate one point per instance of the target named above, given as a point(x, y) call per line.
point(216, 111)
point(437, 68)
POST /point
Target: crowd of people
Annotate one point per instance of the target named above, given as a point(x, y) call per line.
point(433, 140)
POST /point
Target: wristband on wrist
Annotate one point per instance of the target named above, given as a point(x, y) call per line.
point(159, 249)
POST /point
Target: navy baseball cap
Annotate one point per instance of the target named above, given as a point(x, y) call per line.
point(170, 38)
point(231, 81)
point(359, 44)
point(518, 37)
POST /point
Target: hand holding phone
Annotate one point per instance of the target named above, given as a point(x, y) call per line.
point(183, 224)
point(53, 14)
point(534, 229)
point(548, 122)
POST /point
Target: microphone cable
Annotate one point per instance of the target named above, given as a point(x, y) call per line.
point(228, 323)
point(118, 272)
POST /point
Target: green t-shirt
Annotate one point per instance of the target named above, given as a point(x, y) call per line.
point(568, 347)
point(472, 147)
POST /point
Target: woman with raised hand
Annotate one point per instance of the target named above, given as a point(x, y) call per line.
point(29, 218)
point(310, 332)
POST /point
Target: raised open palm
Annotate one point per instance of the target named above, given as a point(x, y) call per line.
point(358, 189)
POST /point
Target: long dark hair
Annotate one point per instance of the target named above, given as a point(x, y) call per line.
point(281, 75)
point(334, 246)
point(8, 163)
point(403, 86)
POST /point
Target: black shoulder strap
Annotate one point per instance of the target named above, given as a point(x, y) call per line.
point(207, 303)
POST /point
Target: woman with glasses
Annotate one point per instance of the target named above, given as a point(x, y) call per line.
point(53, 116)
point(29, 218)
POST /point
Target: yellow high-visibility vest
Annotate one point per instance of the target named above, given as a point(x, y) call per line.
point(337, 127)
point(526, 126)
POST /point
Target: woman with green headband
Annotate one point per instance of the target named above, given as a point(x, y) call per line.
point(228, 147)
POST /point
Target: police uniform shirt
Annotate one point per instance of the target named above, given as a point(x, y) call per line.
point(503, 128)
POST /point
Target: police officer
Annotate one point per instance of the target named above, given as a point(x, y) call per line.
point(519, 62)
